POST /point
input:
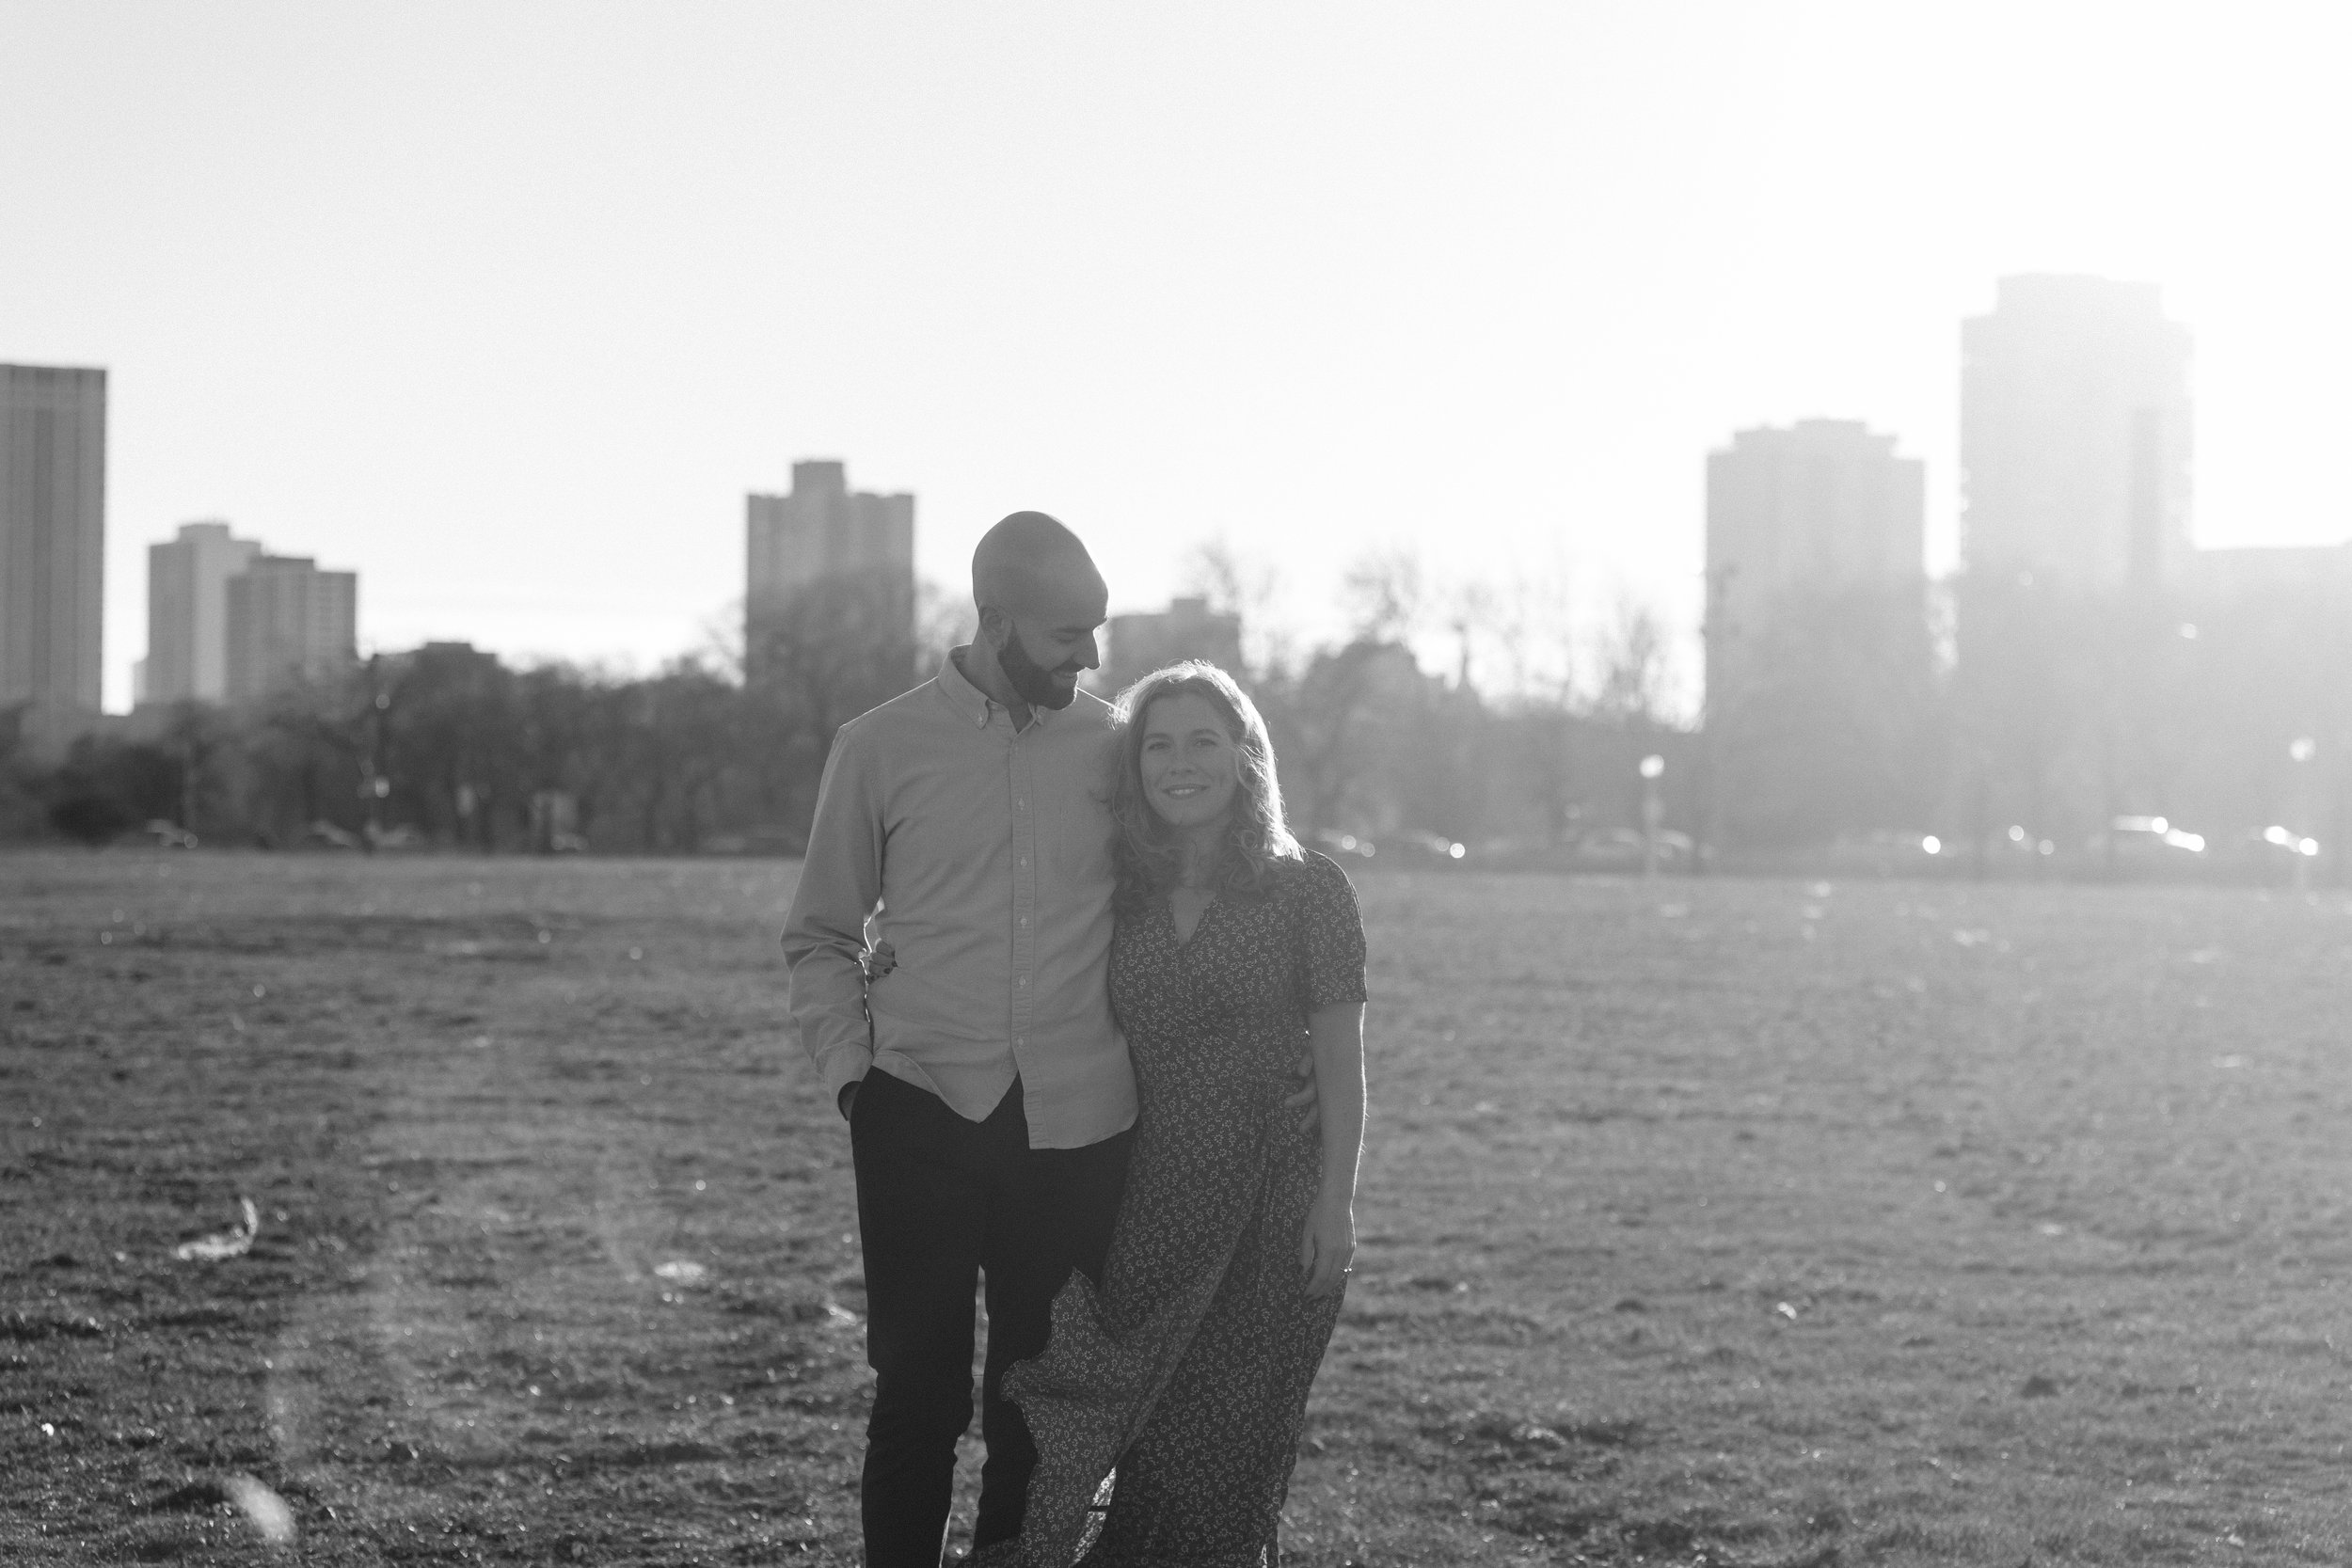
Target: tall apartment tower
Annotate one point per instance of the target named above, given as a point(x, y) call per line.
point(825, 532)
point(2075, 434)
point(53, 537)
point(287, 622)
point(187, 612)
point(1187, 628)
point(1822, 505)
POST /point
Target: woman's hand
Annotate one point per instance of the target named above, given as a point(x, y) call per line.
point(1304, 1101)
point(1326, 1245)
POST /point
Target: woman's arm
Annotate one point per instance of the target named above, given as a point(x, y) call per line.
point(1327, 1249)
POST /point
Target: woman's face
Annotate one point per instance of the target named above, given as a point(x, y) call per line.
point(1191, 767)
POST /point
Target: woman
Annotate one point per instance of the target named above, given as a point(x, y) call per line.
point(1188, 1370)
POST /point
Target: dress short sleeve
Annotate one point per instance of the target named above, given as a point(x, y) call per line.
point(1330, 933)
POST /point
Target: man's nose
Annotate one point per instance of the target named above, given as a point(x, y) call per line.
point(1090, 656)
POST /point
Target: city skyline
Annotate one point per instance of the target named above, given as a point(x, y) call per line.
point(229, 620)
point(1821, 502)
point(1485, 289)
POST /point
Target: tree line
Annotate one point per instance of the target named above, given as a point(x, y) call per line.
point(1986, 713)
point(723, 750)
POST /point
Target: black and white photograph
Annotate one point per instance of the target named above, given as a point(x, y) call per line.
point(1284, 785)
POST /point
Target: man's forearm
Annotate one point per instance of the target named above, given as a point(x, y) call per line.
point(828, 1011)
point(824, 935)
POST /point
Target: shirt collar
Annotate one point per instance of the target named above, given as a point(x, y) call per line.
point(969, 699)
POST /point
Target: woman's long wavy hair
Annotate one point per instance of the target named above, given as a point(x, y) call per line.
point(1149, 856)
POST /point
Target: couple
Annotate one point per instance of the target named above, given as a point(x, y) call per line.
point(1066, 1056)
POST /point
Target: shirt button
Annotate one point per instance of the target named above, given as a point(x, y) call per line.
point(1025, 920)
point(1024, 980)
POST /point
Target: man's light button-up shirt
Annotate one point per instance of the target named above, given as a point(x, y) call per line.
point(924, 809)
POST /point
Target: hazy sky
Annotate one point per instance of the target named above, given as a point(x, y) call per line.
point(508, 304)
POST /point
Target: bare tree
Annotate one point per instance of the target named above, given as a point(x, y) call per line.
point(1250, 587)
point(722, 642)
point(1634, 666)
point(1384, 595)
point(943, 619)
point(1470, 606)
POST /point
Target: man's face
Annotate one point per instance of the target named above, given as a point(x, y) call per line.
point(1046, 640)
point(1043, 656)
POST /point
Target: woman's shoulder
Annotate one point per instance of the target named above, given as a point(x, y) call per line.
point(1314, 873)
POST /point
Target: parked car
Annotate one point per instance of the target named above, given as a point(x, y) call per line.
point(1888, 853)
point(1435, 848)
point(1624, 849)
point(2147, 846)
point(2274, 852)
point(1333, 842)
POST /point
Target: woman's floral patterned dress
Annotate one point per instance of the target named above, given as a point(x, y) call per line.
point(1188, 1370)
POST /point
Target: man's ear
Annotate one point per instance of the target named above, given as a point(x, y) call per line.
point(995, 628)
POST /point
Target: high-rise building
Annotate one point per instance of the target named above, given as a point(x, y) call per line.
point(187, 612)
point(1187, 628)
point(288, 622)
point(2074, 424)
point(1823, 506)
point(53, 537)
point(855, 545)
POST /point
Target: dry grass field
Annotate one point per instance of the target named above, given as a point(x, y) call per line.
point(1724, 1222)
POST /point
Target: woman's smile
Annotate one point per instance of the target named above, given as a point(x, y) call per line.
point(1189, 764)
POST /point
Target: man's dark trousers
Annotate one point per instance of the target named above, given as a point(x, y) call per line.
point(940, 1200)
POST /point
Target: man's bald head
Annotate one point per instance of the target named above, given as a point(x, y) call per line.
point(1031, 565)
point(1041, 600)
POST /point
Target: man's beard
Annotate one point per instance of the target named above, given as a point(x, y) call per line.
point(1036, 684)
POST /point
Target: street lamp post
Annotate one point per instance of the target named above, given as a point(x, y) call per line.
point(2301, 752)
point(1653, 810)
point(374, 786)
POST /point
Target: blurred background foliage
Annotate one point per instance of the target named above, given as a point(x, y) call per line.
point(2002, 719)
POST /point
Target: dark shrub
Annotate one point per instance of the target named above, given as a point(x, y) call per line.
point(91, 819)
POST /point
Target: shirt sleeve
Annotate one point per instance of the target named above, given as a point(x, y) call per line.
point(1331, 933)
point(825, 932)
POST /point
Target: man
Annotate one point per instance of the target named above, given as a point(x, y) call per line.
point(990, 1097)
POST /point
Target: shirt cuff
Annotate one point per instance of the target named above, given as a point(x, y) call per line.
point(845, 1064)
